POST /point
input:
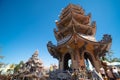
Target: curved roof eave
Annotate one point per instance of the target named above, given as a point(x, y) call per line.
point(82, 38)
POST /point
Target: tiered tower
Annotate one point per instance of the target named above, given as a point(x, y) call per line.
point(75, 35)
point(33, 68)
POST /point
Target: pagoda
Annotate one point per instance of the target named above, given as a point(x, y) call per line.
point(32, 69)
point(75, 35)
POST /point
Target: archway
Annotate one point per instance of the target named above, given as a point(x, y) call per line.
point(67, 62)
point(89, 61)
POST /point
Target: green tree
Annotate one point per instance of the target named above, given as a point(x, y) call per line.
point(115, 60)
point(18, 66)
point(110, 58)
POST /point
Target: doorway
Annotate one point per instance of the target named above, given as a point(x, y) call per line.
point(67, 62)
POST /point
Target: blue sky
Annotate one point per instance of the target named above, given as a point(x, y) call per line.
point(27, 25)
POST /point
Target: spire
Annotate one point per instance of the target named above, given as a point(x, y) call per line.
point(33, 65)
point(72, 19)
point(36, 53)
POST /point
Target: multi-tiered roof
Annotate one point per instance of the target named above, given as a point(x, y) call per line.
point(33, 67)
point(75, 35)
point(76, 27)
point(73, 19)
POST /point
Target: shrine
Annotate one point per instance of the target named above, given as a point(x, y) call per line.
point(76, 42)
point(31, 70)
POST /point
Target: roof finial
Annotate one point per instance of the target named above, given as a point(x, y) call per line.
point(36, 52)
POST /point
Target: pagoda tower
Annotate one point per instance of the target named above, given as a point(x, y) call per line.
point(75, 35)
point(32, 69)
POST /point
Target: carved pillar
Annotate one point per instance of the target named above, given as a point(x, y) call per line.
point(97, 51)
point(73, 60)
point(61, 61)
point(97, 65)
point(82, 60)
point(81, 54)
point(78, 58)
point(61, 65)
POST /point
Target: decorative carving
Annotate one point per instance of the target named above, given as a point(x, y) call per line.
point(75, 34)
point(106, 39)
point(65, 39)
point(93, 23)
point(52, 49)
point(60, 75)
point(33, 68)
point(73, 16)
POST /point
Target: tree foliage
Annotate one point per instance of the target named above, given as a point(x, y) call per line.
point(18, 66)
point(1, 63)
point(110, 58)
